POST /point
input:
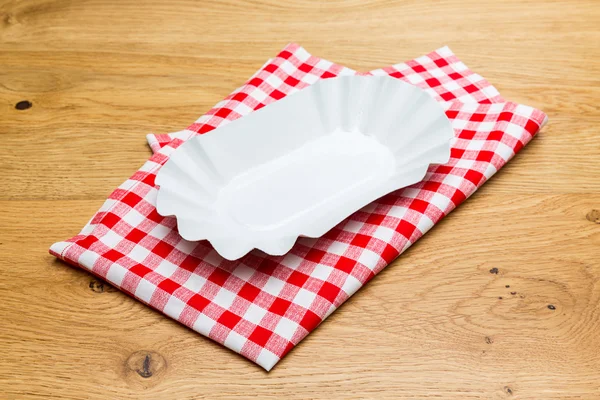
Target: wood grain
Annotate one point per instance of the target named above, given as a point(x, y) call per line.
point(517, 318)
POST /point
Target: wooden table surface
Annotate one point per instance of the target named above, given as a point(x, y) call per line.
point(499, 301)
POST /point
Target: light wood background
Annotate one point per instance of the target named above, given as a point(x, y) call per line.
point(499, 301)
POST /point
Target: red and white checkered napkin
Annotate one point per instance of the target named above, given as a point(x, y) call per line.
point(261, 306)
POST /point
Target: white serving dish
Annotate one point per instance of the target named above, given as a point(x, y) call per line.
point(303, 164)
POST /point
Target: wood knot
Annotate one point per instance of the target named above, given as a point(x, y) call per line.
point(145, 364)
point(551, 307)
point(489, 340)
point(100, 287)
point(494, 271)
point(9, 19)
point(23, 105)
point(508, 390)
point(593, 216)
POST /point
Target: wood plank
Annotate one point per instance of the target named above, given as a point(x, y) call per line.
point(436, 324)
point(80, 163)
point(447, 318)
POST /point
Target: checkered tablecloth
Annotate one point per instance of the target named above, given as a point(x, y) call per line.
point(262, 306)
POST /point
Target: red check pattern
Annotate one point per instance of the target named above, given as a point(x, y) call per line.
point(262, 306)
